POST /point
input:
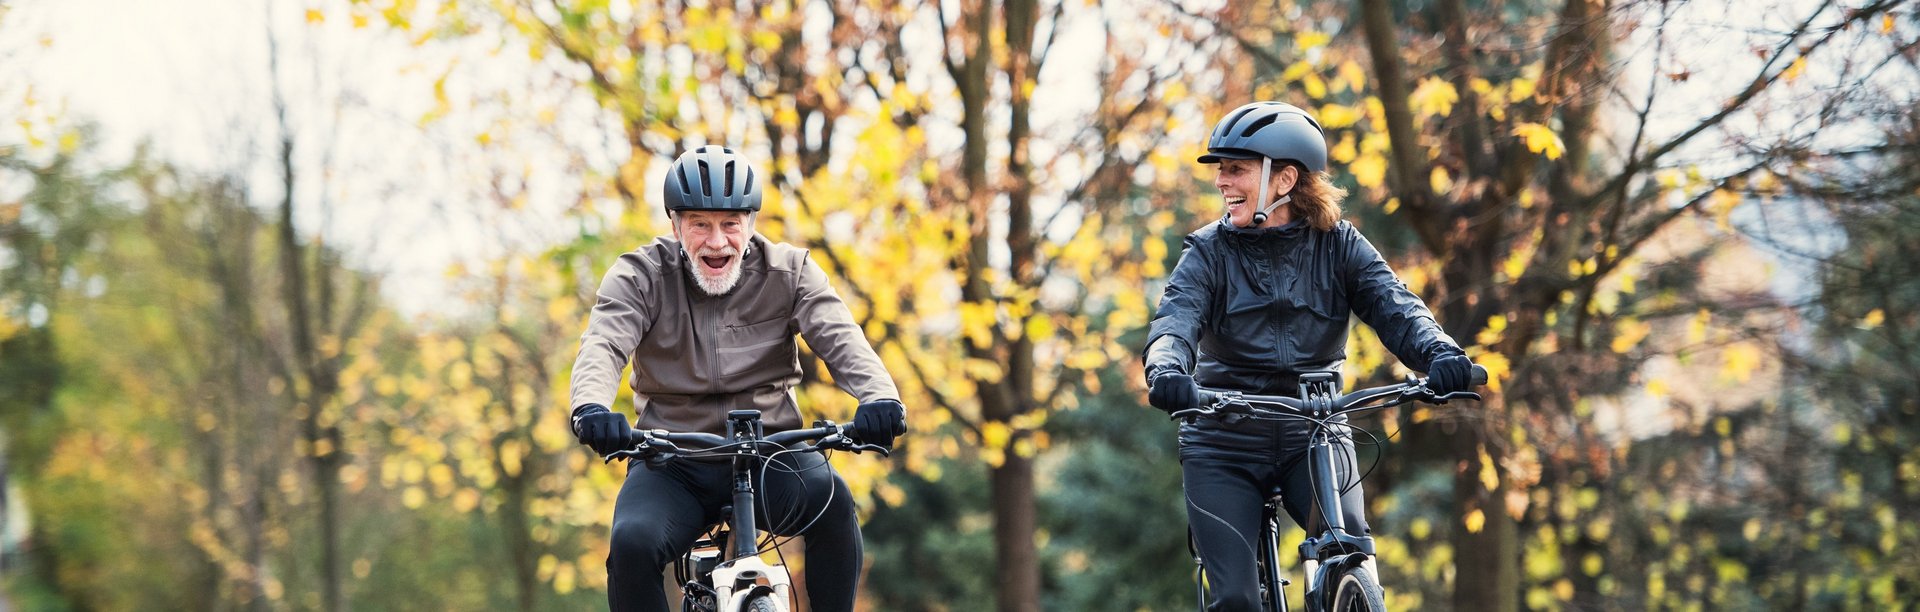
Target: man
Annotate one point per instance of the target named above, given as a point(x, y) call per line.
point(708, 318)
point(1259, 297)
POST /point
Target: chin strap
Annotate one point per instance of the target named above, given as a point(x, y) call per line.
point(1260, 216)
point(1266, 173)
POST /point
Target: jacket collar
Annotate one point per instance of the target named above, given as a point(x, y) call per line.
point(1293, 229)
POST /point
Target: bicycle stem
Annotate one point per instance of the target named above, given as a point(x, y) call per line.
point(744, 426)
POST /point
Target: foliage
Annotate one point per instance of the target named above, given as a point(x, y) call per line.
point(1587, 197)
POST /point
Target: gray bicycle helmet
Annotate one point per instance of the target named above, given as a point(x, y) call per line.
point(1272, 130)
point(711, 178)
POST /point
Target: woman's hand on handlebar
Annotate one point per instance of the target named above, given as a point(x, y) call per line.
point(1174, 392)
point(1452, 374)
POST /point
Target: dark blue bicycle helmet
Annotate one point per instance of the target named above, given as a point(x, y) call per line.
point(1272, 130)
point(711, 178)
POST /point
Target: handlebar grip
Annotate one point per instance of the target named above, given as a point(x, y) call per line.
point(1208, 397)
point(1479, 375)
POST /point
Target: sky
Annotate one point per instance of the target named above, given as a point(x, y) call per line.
point(189, 78)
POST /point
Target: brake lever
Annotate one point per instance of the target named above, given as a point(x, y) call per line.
point(653, 450)
point(862, 448)
point(1192, 413)
point(842, 442)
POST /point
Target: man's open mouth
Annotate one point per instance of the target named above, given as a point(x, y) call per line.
point(715, 264)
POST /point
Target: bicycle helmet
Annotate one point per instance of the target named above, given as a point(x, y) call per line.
point(711, 178)
point(1271, 130)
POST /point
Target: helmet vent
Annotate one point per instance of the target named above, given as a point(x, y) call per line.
point(729, 183)
point(749, 190)
point(706, 180)
point(1257, 124)
point(684, 187)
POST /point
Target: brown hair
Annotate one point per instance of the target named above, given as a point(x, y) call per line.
point(1316, 199)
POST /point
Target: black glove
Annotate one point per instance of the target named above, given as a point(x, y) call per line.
point(1450, 374)
point(1173, 392)
point(878, 422)
point(604, 430)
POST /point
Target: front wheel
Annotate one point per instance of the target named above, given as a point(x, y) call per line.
point(760, 603)
point(1356, 591)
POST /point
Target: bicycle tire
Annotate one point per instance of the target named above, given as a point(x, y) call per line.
point(1355, 590)
point(760, 603)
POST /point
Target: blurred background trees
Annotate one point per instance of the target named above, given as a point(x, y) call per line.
point(1679, 234)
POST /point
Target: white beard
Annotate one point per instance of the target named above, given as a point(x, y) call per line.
point(711, 285)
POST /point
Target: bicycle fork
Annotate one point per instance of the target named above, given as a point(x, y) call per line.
point(740, 577)
point(1334, 538)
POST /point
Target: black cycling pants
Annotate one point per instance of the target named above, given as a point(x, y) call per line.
point(1229, 471)
point(661, 511)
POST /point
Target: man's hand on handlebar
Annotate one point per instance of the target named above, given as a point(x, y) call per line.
point(603, 430)
point(878, 422)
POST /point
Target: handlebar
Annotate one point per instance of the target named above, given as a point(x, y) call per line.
point(658, 445)
point(1321, 406)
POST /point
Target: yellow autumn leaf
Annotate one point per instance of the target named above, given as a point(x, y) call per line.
point(995, 434)
point(1296, 70)
point(1475, 520)
point(1540, 139)
point(1520, 89)
point(1886, 23)
point(1433, 97)
point(1344, 152)
point(1793, 71)
point(1489, 475)
point(1498, 368)
point(1491, 334)
point(1721, 204)
point(1353, 74)
point(1628, 334)
point(1370, 170)
point(1310, 39)
point(1041, 328)
point(1335, 116)
point(1316, 88)
point(1873, 319)
point(315, 16)
point(1739, 362)
point(1174, 92)
point(1440, 180)
point(1657, 387)
point(1516, 263)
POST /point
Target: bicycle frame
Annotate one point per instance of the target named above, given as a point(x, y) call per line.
point(739, 575)
point(745, 566)
point(1333, 550)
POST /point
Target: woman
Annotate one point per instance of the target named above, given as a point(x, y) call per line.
point(1259, 297)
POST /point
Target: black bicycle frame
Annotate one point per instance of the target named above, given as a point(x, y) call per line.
point(746, 422)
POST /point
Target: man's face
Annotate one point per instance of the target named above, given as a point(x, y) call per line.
point(1239, 183)
point(715, 242)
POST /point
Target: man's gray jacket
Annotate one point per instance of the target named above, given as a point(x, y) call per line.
point(697, 356)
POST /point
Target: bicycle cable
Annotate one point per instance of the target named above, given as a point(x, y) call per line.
point(800, 502)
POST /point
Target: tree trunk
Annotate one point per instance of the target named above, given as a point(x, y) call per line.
point(1489, 577)
point(322, 442)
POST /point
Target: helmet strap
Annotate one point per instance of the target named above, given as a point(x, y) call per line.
point(1266, 175)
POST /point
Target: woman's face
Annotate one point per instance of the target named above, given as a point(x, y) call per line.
point(1239, 183)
